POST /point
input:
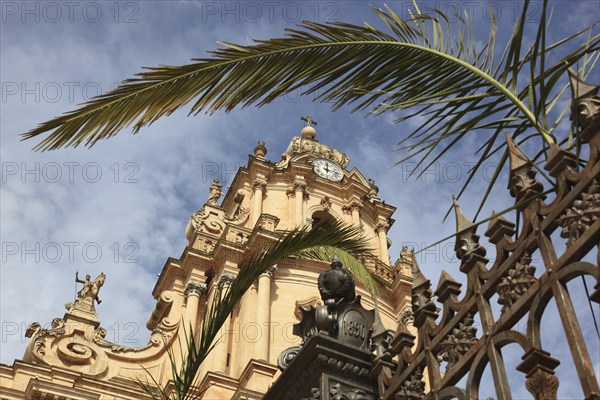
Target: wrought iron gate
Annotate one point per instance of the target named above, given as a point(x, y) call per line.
point(575, 210)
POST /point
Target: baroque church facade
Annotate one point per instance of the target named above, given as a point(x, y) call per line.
point(72, 359)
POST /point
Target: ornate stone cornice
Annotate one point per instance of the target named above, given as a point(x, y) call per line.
point(308, 145)
point(195, 288)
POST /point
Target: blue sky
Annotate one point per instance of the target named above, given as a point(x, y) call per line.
point(122, 206)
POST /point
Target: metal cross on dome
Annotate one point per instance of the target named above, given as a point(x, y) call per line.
point(309, 121)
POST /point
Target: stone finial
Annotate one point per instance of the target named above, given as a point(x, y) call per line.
point(260, 151)
point(216, 191)
point(585, 103)
point(467, 240)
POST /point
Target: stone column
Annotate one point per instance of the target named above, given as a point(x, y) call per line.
point(221, 350)
point(381, 230)
point(291, 195)
point(263, 314)
point(260, 188)
point(193, 291)
point(301, 194)
point(347, 212)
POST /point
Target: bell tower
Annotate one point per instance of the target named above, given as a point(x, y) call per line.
point(310, 182)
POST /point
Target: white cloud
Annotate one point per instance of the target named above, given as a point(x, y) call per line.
point(174, 161)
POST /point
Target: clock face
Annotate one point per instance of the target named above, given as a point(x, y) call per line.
point(327, 169)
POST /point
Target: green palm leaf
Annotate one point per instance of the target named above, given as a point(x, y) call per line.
point(348, 240)
point(425, 63)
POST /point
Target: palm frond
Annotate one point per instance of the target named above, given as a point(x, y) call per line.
point(344, 63)
point(425, 63)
